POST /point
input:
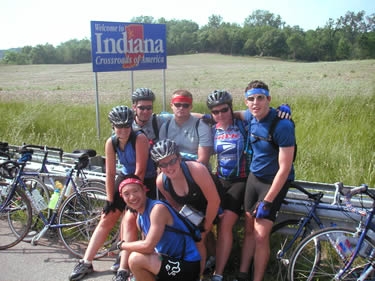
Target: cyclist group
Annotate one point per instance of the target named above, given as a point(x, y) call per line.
point(165, 165)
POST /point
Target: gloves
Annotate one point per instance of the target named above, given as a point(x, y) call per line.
point(109, 207)
point(262, 210)
point(284, 111)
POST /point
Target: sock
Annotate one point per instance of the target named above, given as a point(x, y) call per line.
point(86, 261)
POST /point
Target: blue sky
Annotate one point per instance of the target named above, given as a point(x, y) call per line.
point(33, 22)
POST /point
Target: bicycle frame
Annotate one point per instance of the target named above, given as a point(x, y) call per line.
point(368, 225)
point(314, 205)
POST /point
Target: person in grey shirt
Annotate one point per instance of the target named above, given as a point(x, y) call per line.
point(193, 136)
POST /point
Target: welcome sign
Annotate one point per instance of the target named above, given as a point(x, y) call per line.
point(117, 46)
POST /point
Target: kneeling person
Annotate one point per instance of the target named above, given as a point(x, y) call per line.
point(166, 252)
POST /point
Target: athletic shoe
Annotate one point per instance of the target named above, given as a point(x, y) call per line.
point(216, 278)
point(80, 270)
point(121, 275)
point(116, 265)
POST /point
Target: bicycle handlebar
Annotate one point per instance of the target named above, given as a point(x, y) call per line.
point(349, 193)
point(44, 148)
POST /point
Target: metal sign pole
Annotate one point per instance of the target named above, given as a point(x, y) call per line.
point(97, 104)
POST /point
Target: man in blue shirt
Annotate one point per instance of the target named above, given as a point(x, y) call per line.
point(271, 173)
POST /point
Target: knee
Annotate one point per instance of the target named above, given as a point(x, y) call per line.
point(135, 261)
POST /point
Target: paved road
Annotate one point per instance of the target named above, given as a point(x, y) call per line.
point(48, 261)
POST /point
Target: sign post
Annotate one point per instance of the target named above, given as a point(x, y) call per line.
point(117, 46)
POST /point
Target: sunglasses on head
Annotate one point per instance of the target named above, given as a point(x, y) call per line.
point(259, 98)
point(184, 105)
point(144, 107)
point(121, 126)
point(169, 163)
point(223, 110)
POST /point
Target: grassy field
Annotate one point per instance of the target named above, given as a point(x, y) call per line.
point(332, 102)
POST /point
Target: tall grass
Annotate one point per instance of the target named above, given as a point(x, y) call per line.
point(333, 106)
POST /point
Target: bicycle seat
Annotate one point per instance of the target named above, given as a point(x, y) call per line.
point(89, 152)
point(82, 159)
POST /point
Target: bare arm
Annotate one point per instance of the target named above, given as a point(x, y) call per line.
point(159, 217)
point(110, 169)
point(203, 179)
point(204, 154)
point(141, 147)
point(286, 155)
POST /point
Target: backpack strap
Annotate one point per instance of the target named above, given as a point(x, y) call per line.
point(186, 172)
point(271, 131)
point(155, 126)
point(133, 137)
point(169, 121)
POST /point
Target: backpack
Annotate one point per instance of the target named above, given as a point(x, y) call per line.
point(271, 131)
point(194, 230)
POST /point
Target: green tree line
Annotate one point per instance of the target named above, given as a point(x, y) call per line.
point(263, 33)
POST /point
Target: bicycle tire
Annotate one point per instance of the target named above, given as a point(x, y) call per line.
point(318, 258)
point(281, 235)
point(86, 208)
point(15, 219)
point(37, 224)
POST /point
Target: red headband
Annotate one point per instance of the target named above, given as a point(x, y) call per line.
point(128, 181)
point(188, 100)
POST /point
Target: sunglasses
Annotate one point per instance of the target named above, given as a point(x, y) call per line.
point(144, 107)
point(184, 105)
point(122, 126)
point(223, 110)
point(169, 163)
point(259, 98)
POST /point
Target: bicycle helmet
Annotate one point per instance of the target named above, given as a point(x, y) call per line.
point(142, 94)
point(219, 97)
point(163, 149)
point(121, 115)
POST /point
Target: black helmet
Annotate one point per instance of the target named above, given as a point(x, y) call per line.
point(142, 94)
point(121, 116)
point(163, 149)
point(219, 97)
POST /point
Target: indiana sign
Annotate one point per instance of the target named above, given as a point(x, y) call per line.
point(117, 46)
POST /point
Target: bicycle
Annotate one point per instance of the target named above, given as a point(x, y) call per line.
point(339, 253)
point(286, 235)
point(76, 216)
point(41, 180)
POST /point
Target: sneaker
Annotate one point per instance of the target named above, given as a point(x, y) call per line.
point(80, 270)
point(216, 278)
point(116, 265)
point(121, 275)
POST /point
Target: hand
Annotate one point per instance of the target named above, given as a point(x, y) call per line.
point(109, 207)
point(262, 210)
point(284, 111)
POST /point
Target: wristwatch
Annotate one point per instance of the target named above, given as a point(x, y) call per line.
point(119, 244)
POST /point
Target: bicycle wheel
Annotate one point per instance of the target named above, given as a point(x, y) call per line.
point(37, 224)
point(282, 247)
point(15, 218)
point(324, 262)
point(83, 211)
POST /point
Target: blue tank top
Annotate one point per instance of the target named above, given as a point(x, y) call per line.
point(127, 158)
point(229, 146)
point(177, 245)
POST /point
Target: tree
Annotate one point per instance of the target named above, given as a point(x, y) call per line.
point(264, 18)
